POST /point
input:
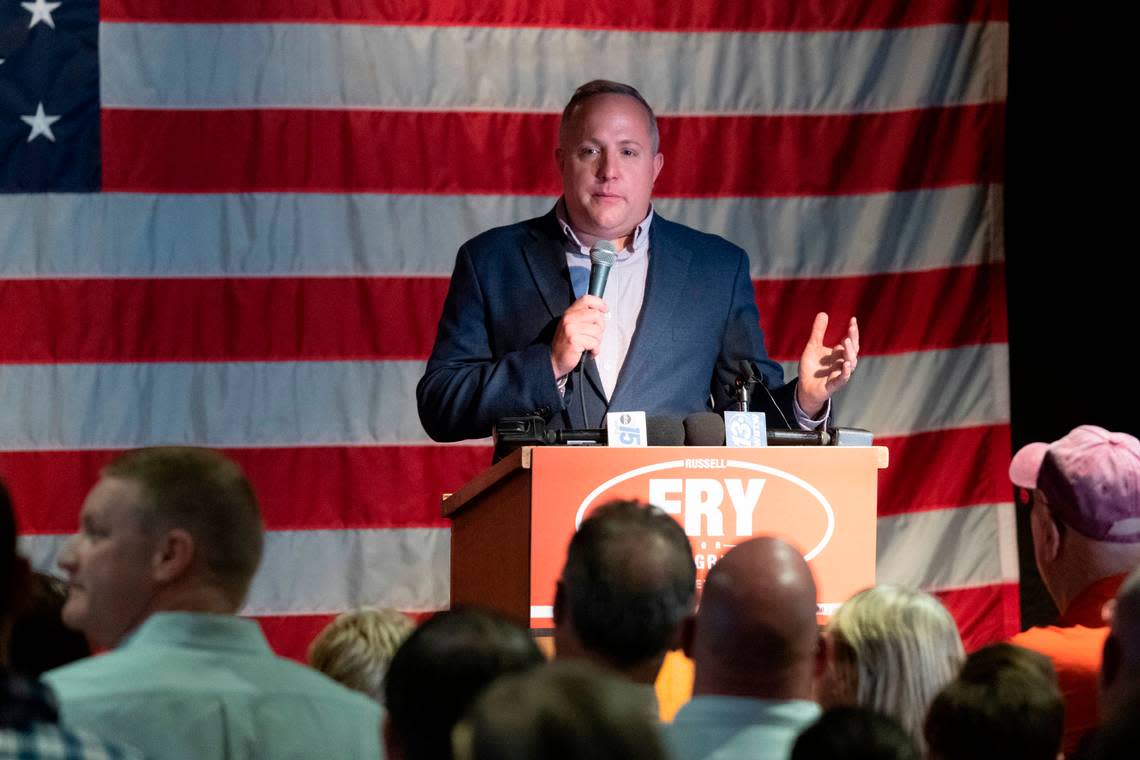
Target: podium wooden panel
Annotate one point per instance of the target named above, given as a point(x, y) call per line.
point(511, 524)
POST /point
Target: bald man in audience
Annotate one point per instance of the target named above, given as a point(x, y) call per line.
point(757, 650)
point(168, 543)
point(1120, 669)
point(1085, 522)
point(628, 583)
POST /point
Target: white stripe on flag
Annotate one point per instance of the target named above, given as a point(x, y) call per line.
point(329, 571)
point(230, 404)
point(344, 66)
point(945, 549)
point(80, 406)
point(290, 234)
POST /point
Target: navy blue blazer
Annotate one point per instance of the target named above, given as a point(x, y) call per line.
point(510, 286)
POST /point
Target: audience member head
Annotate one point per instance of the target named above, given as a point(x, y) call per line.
point(628, 582)
point(1004, 703)
point(171, 528)
point(356, 647)
point(891, 649)
point(567, 710)
point(1085, 517)
point(40, 641)
point(439, 670)
point(1118, 736)
point(755, 633)
point(14, 572)
point(855, 733)
point(1120, 665)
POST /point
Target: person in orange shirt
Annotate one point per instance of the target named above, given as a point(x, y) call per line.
point(1085, 522)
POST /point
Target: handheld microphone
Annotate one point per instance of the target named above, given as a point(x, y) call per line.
point(602, 257)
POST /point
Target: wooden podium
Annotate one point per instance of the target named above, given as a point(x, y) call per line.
point(511, 524)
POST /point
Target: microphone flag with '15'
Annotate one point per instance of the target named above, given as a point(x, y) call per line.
point(745, 429)
point(627, 429)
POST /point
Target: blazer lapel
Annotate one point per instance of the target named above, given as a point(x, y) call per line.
point(547, 261)
point(546, 257)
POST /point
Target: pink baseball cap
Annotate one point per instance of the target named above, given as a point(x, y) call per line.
point(1091, 478)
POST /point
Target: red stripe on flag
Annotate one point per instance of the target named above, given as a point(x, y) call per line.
point(897, 312)
point(497, 153)
point(204, 319)
point(945, 468)
point(290, 635)
point(985, 614)
point(626, 15)
point(341, 318)
point(298, 487)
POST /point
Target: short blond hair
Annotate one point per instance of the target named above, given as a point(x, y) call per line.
point(356, 647)
point(897, 647)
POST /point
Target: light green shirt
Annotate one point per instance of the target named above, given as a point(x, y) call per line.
point(190, 685)
point(738, 728)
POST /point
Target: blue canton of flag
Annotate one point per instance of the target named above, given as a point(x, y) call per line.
point(49, 96)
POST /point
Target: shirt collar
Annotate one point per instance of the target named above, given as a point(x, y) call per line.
point(199, 630)
point(640, 232)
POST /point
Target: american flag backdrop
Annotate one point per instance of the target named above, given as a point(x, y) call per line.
point(232, 224)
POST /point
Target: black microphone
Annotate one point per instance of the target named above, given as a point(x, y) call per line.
point(531, 431)
point(777, 437)
point(664, 431)
point(753, 375)
point(602, 257)
point(704, 429)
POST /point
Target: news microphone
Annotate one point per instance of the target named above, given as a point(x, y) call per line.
point(602, 257)
point(531, 431)
point(753, 374)
point(664, 431)
point(777, 437)
point(704, 429)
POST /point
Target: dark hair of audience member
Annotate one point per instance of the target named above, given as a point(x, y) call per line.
point(565, 710)
point(1118, 738)
point(439, 670)
point(855, 733)
point(40, 641)
point(619, 608)
point(9, 561)
point(1004, 703)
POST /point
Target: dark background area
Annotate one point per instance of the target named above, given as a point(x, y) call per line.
point(1070, 251)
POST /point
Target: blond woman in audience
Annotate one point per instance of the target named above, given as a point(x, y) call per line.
point(891, 649)
point(356, 647)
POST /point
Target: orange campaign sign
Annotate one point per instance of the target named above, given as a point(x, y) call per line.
point(820, 499)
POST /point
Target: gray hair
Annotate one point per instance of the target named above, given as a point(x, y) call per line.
point(900, 646)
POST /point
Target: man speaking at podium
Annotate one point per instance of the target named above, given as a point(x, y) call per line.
point(678, 324)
